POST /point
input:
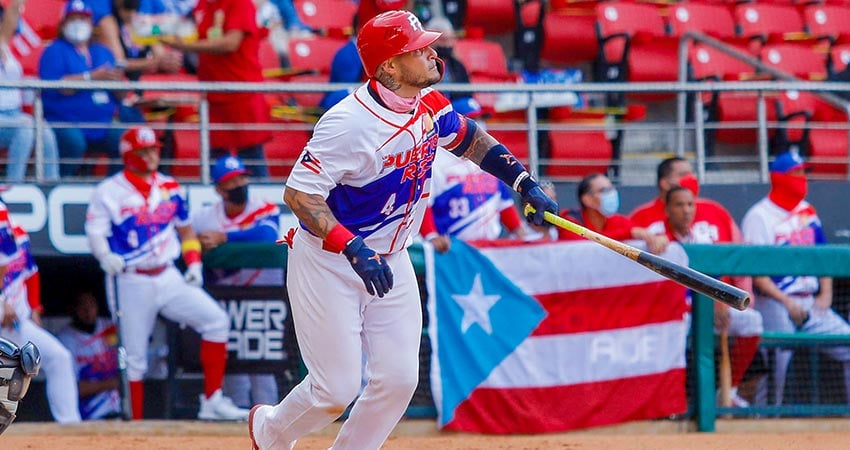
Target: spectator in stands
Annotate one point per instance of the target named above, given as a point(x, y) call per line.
point(20, 320)
point(467, 203)
point(793, 303)
point(153, 57)
point(239, 218)
point(228, 50)
point(599, 201)
point(452, 68)
point(745, 326)
point(677, 171)
point(91, 340)
point(547, 231)
point(73, 57)
point(17, 128)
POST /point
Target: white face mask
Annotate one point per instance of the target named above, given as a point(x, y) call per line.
point(609, 203)
point(77, 31)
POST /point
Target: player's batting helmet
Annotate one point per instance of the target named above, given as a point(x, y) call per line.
point(17, 367)
point(389, 34)
point(136, 138)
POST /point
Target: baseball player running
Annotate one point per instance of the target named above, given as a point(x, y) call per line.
point(19, 325)
point(360, 189)
point(130, 224)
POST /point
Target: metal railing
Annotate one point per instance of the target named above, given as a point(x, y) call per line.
point(531, 125)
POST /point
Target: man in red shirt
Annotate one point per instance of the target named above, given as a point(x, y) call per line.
point(674, 172)
point(599, 202)
point(228, 50)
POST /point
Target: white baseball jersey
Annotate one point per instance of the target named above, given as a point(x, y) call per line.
point(140, 229)
point(766, 223)
point(257, 223)
point(8, 247)
point(95, 359)
point(467, 201)
point(21, 267)
point(377, 186)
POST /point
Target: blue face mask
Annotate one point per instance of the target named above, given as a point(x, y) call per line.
point(609, 203)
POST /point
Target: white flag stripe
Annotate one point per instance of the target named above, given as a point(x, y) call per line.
point(568, 359)
point(530, 267)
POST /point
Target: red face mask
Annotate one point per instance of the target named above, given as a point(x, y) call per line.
point(136, 163)
point(788, 190)
point(690, 183)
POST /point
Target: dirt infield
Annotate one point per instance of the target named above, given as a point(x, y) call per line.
point(421, 435)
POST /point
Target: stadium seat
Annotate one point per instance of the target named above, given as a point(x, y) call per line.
point(575, 154)
point(187, 154)
point(329, 17)
point(828, 152)
point(831, 22)
point(483, 58)
point(315, 53)
point(269, 59)
point(713, 19)
point(283, 150)
point(634, 46)
point(569, 35)
point(492, 16)
point(769, 22)
point(304, 99)
point(838, 59)
point(44, 17)
point(802, 61)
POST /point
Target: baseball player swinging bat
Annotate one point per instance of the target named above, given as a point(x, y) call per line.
point(700, 282)
point(112, 297)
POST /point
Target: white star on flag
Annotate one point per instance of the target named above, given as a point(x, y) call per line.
point(476, 306)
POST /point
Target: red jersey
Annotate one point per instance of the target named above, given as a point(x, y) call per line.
point(712, 221)
point(617, 227)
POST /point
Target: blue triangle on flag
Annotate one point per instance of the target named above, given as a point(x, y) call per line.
point(482, 317)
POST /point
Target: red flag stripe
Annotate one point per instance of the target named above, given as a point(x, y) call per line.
point(552, 409)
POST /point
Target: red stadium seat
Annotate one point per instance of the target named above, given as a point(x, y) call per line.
point(332, 17)
point(483, 57)
point(269, 59)
point(305, 99)
point(828, 152)
point(283, 150)
point(569, 35)
point(802, 61)
point(769, 22)
point(492, 16)
point(634, 45)
point(713, 19)
point(187, 154)
point(314, 53)
point(44, 17)
point(830, 22)
point(575, 154)
point(839, 58)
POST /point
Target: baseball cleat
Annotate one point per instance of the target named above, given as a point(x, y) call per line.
point(219, 407)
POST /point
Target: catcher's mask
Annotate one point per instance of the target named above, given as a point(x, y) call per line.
point(17, 367)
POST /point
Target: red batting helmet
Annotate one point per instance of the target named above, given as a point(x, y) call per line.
point(389, 34)
point(136, 138)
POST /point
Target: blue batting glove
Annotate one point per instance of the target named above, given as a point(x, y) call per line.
point(370, 266)
point(541, 203)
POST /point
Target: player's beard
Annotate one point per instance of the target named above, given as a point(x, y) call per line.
point(421, 81)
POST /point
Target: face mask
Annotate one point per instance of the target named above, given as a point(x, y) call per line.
point(238, 195)
point(77, 31)
point(609, 203)
point(136, 163)
point(690, 183)
point(787, 190)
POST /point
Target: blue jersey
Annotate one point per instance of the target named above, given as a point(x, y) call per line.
point(373, 165)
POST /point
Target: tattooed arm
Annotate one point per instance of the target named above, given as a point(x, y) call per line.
point(312, 210)
point(479, 146)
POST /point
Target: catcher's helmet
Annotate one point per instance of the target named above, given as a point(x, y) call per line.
point(136, 138)
point(17, 367)
point(389, 34)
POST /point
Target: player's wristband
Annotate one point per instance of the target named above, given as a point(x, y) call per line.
point(191, 251)
point(502, 164)
point(338, 238)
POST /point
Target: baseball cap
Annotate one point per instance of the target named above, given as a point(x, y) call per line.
point(226, 168)
point(787, 162)
point(77, 7)
point(136, 138)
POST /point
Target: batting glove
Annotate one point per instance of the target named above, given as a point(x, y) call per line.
point(370, 266)
point(112, 263)
point(194, 275)
point(541, 202)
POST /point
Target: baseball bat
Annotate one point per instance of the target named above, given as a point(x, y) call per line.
point(124, 388)
point(698, 281)
point(725, 372)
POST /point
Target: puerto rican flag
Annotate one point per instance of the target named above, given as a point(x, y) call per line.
point(532, 338)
